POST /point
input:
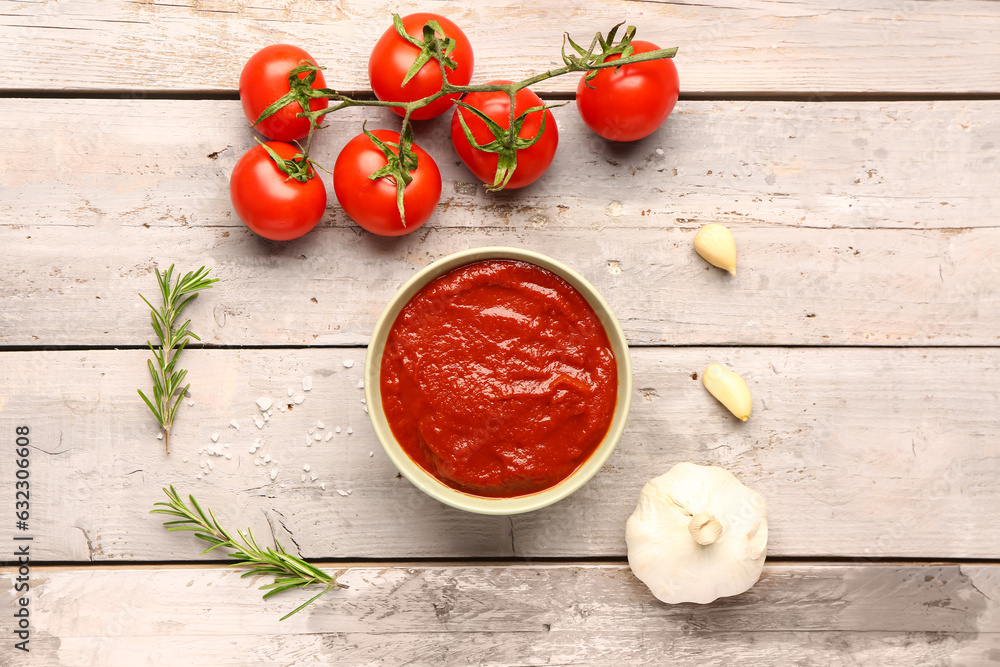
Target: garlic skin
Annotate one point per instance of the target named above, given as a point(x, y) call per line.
point(697, 534)
point(715, 243)
point(729, 388)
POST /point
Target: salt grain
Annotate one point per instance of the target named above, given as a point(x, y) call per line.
point(215, 437)
point(350, 430)
point(290, 391)
point(199, 476)
point(328, 436)
point(159, 436)
point(307, 383)
point(343, 493)
point(318, 437)
point(190, 404)
point(298, 399)
point(320, 425)
point(263, 403)
point(210, 465)
point(235, 424)
point(313, 477)
point(274, 473)
point(229, 457)
point(185, 460)
point(371, 453)
point(311, 431)
point(361, 384)
point(348, 363)
point(323, 486)
point(266, 417)
point(337, 429)
point(267, 458)
point(363, 400)
point(306, 467)
point(259, 422)
point(303, 478)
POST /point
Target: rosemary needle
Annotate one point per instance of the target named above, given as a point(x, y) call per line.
point(288, 571)
point(167, 380)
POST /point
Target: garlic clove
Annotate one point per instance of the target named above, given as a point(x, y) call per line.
point(680, 510)
point(729, 388)
point(715, 243)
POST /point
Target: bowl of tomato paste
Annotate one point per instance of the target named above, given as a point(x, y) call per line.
point(498, 380)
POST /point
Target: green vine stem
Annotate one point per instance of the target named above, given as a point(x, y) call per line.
point(400, 164)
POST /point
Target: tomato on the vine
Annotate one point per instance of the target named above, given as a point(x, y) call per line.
point(372, 203)
point(392, 57)
point(264, 80)
point(268, 201)
point(531, 161)
point(630, 102)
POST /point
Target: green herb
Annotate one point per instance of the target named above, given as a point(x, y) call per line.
point(167, 391)
point(288, 571)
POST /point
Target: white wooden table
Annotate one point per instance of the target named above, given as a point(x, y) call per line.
point(854, 150)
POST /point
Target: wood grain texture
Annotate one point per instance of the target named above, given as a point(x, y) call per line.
point(858, 452)
point(753, 45)
point(900, 165)
point(517, 614)
point(80, 286)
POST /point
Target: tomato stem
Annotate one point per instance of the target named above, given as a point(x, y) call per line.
point(507, 140)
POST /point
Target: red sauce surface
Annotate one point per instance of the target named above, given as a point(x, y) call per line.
point(498, 378)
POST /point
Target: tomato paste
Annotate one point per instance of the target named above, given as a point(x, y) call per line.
point(498, 379)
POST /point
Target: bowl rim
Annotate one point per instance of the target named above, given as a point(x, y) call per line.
point(427, 482)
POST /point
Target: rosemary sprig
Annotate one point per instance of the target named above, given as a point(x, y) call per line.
point(167, 379)
point(288, 571)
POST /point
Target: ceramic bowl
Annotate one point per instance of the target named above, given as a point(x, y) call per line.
point(425, 481)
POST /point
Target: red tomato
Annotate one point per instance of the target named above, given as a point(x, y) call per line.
point(531, 162)
point(270, 203)
point(372, 203)
point(264, 80)
point(391, 59)
point(632, 102)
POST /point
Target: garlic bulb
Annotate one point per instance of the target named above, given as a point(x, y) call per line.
point(729, 388)
point(715, 244)
point(697, 534)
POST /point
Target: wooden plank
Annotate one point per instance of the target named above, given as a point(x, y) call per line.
point(516, 614)
point(803, 46)
point(80, 286)
point(858, 452)
point(902, 165)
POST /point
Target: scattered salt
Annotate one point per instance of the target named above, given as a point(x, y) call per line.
point(190, 404)
point(348, 363)
point(215, 437)
point(274, 473)
point(298, 399)
point(267, 458)
point(259, 422)
point(256, 462)
point(266, 417)
point(185, 459)
point(159, 436)
point(361, 384)
point(303, 478)
point(282, 408)
point(343, 493)
point(270, 412)
point(318, 437)
point(320, 425)
point(199, 476)
point(363, 400)
point(659, 151)
point(235, 424)
point(307, 383)
point(306, 467)
point(350, 430)
point(210, 465)
point(229, 456)
point(263, 403)
point(313, 477)
point(290, 391)
point(371, 453)
point(366, 409)
point(337, 429)
point(323, 486)
point(311, 431)
point(328, 436)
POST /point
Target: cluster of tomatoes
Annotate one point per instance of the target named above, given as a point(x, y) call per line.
point(620, 104)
